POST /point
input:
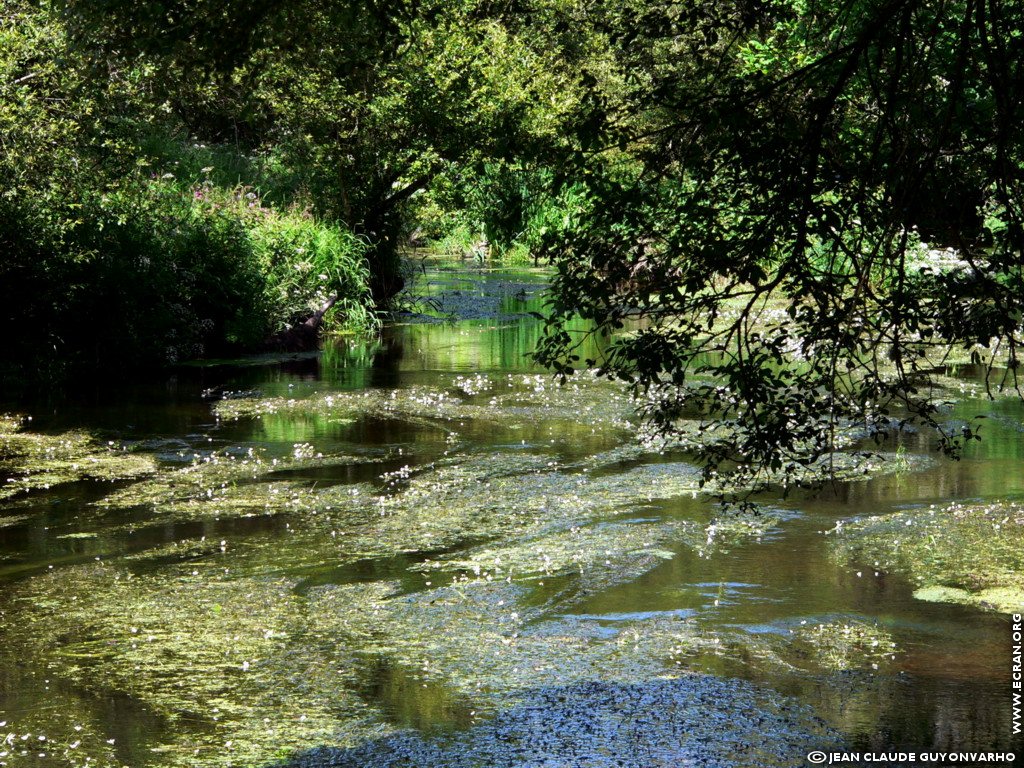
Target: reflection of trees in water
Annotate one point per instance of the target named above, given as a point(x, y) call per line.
point(302, 368)
point(919, 712)
point(388, 353)
point(944, 479)
point(963, 716)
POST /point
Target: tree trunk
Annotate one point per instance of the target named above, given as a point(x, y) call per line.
point(303, 336)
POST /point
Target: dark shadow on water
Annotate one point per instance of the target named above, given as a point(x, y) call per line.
point(411, 700)
point(396, 568)
point(696, 720)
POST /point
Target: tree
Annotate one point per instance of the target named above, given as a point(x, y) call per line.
point(106, 258)
point(762, 193)
point(366, 102)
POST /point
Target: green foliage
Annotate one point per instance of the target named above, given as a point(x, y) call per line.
point(125, 240)
point(460, 241)
point(336, 116)
point(763, 186)
point(306, 262)
point(171, 276)
point(509, 207)
point(754, 192)
point(224, 165)
point(371, 116)
point(155, 271)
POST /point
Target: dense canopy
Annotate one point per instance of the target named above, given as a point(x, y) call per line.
point(802, 208)
point(786, 214)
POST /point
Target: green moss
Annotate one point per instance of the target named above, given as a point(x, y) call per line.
point(964, 553)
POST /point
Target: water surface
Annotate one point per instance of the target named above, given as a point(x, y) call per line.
point(206, 584)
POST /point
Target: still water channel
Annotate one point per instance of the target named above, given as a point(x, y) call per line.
point(449, 561)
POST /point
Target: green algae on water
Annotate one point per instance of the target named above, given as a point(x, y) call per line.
point(732, 526)
point(243, 668)
point(34, 461)
point(481, 639)
point(243, 664)
point(431, 507)
point(1001, 599)
point(622, 547)
point(513, 400)
point(70, 735)
point(253, 646)
point(224, 484)
point(963, 553)
point(844, 645)
point(238, 667)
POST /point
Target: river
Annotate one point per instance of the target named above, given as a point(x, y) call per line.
point(418, 550)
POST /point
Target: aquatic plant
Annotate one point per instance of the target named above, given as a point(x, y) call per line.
point(620, 547)
point(692, 720)
point(842, 645)
point(238, 667)
point(228, 484)
point(33, 460)
point(732, 525)
point(958, 552)
point(585, 399)
point(458, 569)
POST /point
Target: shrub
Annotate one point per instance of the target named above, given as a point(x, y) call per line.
point(157, 270)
